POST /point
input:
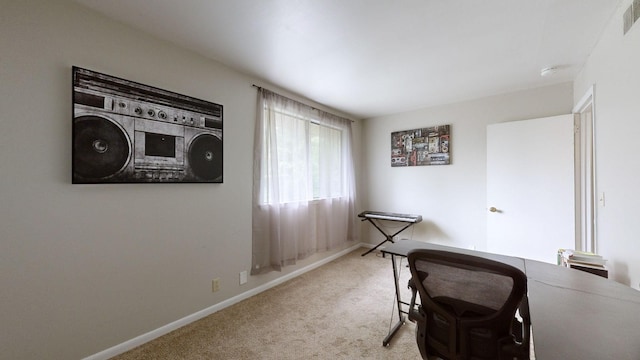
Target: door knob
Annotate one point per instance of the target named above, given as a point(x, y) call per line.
point(493, 209)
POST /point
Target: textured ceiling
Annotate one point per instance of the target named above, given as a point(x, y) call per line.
point(370, 58)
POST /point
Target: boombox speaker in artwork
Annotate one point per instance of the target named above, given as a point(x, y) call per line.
point(126, 132)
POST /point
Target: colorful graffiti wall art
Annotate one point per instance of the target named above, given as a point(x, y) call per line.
point(425, 146)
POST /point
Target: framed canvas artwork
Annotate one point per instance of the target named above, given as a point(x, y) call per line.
point(126, 132)
point(424, 146)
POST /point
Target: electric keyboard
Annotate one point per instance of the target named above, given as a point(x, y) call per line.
point(390, 216)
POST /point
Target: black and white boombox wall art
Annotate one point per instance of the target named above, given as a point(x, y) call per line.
point(126, 132)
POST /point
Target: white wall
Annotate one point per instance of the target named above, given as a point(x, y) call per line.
point(450, 198)
point(87, 267)
point(614, 69)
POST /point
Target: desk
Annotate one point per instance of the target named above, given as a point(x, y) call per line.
point(574, 314)
point(577, 315)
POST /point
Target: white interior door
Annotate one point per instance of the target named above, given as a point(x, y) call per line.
point(530, 187)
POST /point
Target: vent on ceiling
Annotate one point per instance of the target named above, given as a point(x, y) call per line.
point(631, 15)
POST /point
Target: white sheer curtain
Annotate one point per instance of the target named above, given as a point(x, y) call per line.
point(303, 182)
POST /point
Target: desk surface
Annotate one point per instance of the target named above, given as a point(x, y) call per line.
point(574, 315)
point(402, 247)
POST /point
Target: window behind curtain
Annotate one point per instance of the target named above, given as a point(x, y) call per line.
point(305, 150)
point(304, 187)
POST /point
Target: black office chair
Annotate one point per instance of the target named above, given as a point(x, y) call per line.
point(468, 307)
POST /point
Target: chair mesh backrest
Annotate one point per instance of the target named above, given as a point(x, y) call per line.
point(469, 303)
point(470, 285)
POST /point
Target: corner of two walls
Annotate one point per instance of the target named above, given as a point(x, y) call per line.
point(450, 198)
point(88, 267)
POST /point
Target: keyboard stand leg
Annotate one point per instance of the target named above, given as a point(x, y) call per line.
point(387, 236)
point(377, 246)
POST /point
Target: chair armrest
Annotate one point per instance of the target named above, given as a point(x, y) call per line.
point(526, 321)
point(520, 348)
point(415, 314)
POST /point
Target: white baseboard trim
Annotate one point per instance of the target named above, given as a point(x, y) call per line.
point(144, 338)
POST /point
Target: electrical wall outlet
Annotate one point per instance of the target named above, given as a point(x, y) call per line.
point(243, 277)
point(215, 285)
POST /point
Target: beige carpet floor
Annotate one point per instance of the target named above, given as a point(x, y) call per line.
point(342, 310)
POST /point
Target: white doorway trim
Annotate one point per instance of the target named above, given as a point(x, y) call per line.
point(585, 165)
